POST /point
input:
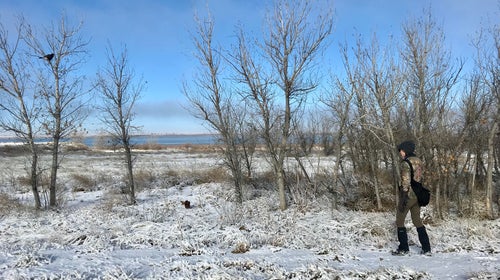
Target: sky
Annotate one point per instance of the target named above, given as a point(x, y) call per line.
point(157, 34)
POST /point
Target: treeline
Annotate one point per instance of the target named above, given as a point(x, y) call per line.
point(43, 92)
point(271, 89)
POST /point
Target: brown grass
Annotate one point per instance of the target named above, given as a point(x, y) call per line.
point(241, 248)
point(192, 148)
point(24, 180)
point(82, 183)
point(74, 147)
point(142, 179)
point(8, 204)
point(214, 175)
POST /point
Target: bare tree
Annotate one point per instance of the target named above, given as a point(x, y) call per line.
point(377, 88)
point(60, 86)
point(488, 65)
point(119, 93)
point(339, 100)
point(472, 133)
point(327, 133)
point(214, 103)
point(430, 76)
point(277, 89)
point(495, 123)
point(18, 100)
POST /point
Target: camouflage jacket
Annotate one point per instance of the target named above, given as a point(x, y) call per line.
point(406, 173)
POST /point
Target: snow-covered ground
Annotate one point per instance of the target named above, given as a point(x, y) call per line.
point(94, 235)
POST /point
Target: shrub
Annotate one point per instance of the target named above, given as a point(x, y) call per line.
point(24, 180)
point(111, 198)
point(13, 150)
point(263, 180)
point(240, 248)
point(143, 179)
point(8, 203)
point(216, 174)
point(82, 183)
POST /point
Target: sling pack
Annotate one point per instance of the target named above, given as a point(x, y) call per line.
point(423, 194)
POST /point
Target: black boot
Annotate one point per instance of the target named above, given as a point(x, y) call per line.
point(424, 240)
point(403, 242)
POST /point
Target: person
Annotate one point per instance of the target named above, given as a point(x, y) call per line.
point(408, 200)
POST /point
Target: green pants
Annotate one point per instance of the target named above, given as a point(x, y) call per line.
point(414, 208)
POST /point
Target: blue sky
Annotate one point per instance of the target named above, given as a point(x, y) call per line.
point(156, 33)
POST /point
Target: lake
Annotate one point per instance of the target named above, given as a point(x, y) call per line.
point(173, 139)
point(198, 139)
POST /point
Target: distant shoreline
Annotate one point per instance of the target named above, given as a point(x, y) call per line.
point(139, 139)
point(135, 135)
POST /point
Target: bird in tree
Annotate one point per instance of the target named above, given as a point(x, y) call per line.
point(47, 57)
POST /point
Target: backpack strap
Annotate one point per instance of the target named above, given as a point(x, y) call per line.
point(411, 167)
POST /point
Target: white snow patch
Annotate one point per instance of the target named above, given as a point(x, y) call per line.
point(92, 237)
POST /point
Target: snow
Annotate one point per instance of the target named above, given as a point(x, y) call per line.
point(94, 235)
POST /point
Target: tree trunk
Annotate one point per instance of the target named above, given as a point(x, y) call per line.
point(34, 175)
point(473, 187)
point(53, 173)
point(489, 172)
point(238, 186)
point(446, 197)
point(437, 201)
point(280, 180)
point(373, 172)
point(130, 169)
point(234, 161)
point(336, 169)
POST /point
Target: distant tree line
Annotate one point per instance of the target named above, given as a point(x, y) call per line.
point(269, 91)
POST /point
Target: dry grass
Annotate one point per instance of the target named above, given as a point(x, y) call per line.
point(8, 204)
point(240, 248)
point(113, 198)
point(265, 180)
point(82, 182)
point(216, 174)
point(151, 146)
point(24, 180)
point(12, 150)
point(74, 147)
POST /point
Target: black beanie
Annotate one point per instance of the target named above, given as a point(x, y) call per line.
point(408, 147)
